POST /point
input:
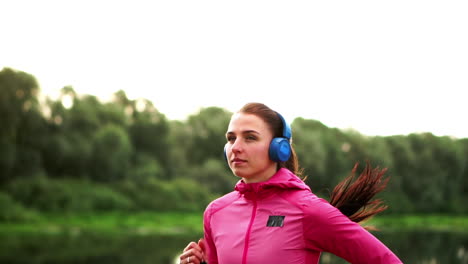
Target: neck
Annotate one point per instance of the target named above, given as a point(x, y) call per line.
point(265, 176)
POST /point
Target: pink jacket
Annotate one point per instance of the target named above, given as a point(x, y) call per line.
point(282, 221)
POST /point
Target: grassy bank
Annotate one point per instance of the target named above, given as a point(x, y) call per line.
point(455, 223)
point(177, 223)
point(111, 223)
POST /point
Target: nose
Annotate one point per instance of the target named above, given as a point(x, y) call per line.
point(236, 147)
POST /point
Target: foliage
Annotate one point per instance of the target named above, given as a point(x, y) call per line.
point(12, 211)
point(22, 128)
point(76, 153)
point(65, 195)
point(111, 153)
point(152, 194)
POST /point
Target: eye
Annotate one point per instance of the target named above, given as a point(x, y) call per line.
point(230, 138)
point(251, 137)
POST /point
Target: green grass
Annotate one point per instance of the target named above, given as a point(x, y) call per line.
point(113, 223)
point(143, 223)
point(455, 223)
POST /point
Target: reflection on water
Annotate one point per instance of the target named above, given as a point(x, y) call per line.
point(416, 247)
point(421, 247)
point(90, 248)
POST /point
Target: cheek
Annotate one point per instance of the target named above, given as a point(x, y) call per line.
point(261, 152)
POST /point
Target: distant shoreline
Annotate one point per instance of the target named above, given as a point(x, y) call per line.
point(175, 223)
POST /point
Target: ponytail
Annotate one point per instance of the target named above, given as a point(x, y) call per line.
point(353, 197)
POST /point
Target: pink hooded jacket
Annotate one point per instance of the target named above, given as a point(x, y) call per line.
point(281, 221)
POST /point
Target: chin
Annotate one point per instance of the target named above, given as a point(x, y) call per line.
point(239, 174)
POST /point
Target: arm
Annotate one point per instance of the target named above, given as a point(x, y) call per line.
point(210, 248)
point(327, 229)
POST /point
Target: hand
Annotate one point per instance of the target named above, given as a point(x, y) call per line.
point(194, 253)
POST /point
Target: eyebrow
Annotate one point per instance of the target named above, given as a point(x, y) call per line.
point(243, 132)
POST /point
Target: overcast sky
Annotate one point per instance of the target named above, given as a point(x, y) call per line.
point(379, 67)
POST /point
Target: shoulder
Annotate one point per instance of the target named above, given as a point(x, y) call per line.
point(322, 219)
point(304, 199)
point(221, 203)
point(314, 208)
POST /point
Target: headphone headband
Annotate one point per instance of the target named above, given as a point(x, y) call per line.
point(280, 147)
point(286, 128)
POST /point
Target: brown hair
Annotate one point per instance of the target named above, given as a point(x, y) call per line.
point(276, 125)
point(353, 197)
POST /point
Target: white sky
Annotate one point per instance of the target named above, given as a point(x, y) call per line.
point(379, 67)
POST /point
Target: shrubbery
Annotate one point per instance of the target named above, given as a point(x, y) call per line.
point(67, 196)
point(175, 195)
point(52, 195)
point(13, 211)
point(125, 155)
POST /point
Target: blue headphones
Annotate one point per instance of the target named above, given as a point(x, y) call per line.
point(280, 147)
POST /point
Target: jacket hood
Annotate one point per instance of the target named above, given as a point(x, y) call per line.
point(283, 179)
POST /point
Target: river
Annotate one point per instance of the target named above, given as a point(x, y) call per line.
point(415, 247)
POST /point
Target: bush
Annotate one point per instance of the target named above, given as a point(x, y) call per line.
point(192, 195)
point(13, 211)
point(66, 195)
point(50, 195)
point(177, 195)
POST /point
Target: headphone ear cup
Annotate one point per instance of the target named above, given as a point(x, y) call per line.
point(280, 149)
point(225, 155)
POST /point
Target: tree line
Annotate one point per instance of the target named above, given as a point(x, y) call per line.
point(76, 153)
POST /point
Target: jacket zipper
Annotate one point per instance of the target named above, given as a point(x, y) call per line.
point(247, 236)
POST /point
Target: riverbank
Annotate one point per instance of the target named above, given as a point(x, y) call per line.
point(145, 223)
point(455, 223)
point(141, 223)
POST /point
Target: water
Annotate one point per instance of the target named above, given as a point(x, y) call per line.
point(417, 247)
point(421, 247)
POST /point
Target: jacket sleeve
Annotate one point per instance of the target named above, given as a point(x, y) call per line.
point(327, 229)
point(210, 251)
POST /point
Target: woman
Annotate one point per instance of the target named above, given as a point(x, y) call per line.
point(272, 216)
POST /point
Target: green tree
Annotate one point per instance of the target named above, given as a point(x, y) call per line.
point(206, 131)
point(437, 174)
point(149, 132)
point(463, 187)
point(22, 126)
point(311, 150)
point(178, 139)
point(403, 184)
point(111, 154)
point(214, 175)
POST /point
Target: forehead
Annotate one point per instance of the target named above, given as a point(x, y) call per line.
point(241, 122)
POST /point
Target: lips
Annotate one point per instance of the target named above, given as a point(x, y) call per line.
point(237, 160)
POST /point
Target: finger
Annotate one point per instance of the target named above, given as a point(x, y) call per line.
point(201, 244)
point(192, 245)
point(193, 260)
point(197, 252)
point(196, 256)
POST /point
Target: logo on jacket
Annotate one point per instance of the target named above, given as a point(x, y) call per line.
point(275, 220)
